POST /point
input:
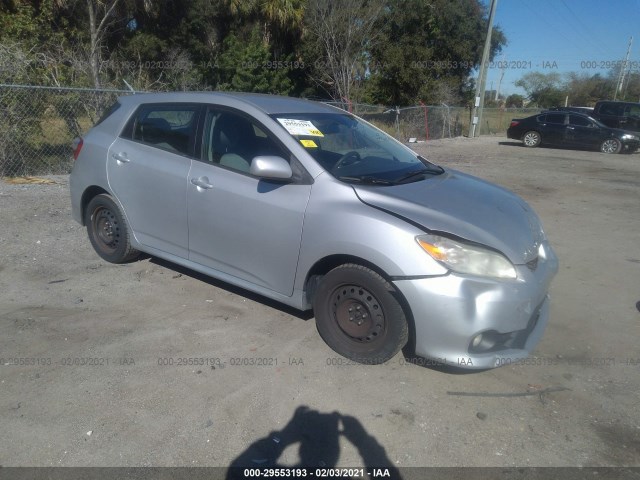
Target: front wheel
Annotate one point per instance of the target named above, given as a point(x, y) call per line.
point(108, 230)
point(611, 145)
point(358, 316)
point(531, 139)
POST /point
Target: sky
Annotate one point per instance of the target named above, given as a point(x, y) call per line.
point(563, 36)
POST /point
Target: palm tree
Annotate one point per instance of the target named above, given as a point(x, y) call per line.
point(283, 16)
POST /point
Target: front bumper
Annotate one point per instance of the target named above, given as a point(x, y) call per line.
point(630, 146)
point(449, 311)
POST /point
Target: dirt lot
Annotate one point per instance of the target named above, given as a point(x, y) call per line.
point(98, 360)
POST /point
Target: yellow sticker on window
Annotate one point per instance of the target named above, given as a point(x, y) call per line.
point(308, 143)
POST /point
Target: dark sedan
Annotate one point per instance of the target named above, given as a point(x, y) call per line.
point(571, 129)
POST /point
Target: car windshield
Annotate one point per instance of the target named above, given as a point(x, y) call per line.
point(355, 152)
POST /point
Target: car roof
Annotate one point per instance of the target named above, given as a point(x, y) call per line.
point(565, 112)
point(269, 104)
point(620, 102)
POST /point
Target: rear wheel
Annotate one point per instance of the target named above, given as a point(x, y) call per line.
point(358, 316)
point(611, 145)
point(108, 230)
point(531, 139)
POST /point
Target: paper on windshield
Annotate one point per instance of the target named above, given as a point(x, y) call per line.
point(300, 127)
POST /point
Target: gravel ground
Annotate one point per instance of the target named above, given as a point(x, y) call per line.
point(144, 364)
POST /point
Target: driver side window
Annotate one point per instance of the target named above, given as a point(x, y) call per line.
point(233, 141)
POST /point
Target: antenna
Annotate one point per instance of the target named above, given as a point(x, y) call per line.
point(128, 86)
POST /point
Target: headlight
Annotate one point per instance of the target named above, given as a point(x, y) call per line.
point(628, 136)
point(465, 258)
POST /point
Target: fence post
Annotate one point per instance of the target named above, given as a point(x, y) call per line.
point(426, 120)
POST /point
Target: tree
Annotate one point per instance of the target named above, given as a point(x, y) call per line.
point(543, 89)
point(427, 43)
point(246, 66)
point(514, 101)
point(101, 18)
point(343, 34)
point(281, 20)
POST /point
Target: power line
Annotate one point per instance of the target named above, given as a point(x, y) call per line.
point(590, 33)
point(554, 29)
point(568, 22)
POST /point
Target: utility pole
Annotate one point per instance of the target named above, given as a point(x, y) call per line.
point(622, 70)
point(476, 116)
point(500, 81)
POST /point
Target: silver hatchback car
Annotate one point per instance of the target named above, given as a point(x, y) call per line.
point(315, 208)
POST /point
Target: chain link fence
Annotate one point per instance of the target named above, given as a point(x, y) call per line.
point(38, 124)
point(431, 122)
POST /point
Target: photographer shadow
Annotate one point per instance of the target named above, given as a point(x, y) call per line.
point(318, 436)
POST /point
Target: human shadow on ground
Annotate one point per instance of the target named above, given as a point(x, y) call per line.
point(318, 438)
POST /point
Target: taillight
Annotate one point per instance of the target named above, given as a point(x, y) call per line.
point(514, 123)
point(77, 147)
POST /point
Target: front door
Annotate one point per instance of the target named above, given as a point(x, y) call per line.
point(582, 132)
point(239, 224)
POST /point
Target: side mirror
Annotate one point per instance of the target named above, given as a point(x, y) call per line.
point(271, 167)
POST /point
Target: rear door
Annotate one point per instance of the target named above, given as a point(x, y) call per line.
point(553, 128)
point(240, 224)
point(147, 170)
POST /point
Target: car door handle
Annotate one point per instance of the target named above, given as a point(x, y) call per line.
point(570, 128)
point(121, 157)
point(202, 182)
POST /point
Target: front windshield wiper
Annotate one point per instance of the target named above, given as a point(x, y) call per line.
point(424, 171)
point(366, 180)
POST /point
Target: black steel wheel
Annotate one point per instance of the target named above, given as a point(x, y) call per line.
point(531, 139)
point(611, 145)
point(108, 230)
point(358, 315)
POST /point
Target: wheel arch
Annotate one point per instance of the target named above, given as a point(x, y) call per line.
point(88, 194)
point(328, 263)
point(529, 130)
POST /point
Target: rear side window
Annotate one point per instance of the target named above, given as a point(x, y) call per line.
point(632, 111)
point(614, 109)
point(555, 118)
point(168, 127)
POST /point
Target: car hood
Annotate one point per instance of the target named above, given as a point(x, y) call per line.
point(464, 206)
point(619, 132)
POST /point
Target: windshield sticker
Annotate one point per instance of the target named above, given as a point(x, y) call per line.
point(300, 127)
point(308, 143)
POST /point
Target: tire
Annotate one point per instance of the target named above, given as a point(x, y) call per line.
point(611, 145)
point(531, 139)
point(108, 230)
point(358, 316)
